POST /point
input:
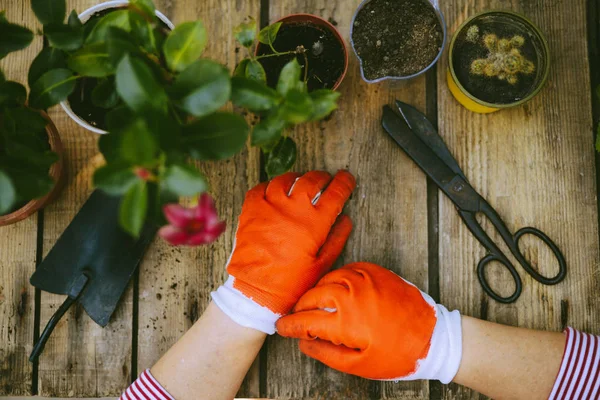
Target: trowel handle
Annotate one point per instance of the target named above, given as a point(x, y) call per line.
point(39, 345)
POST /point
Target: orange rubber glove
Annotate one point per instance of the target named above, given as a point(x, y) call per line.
point(289, 235)
point(365, 320)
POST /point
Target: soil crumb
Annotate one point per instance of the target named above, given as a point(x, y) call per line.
point(396, 37)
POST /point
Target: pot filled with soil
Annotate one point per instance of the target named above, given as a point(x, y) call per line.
point(397, 39)
point(50, 140)
point(80, 105)
point(497, 59)
point(316, 44)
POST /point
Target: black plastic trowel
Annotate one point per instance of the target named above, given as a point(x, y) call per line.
point(92, 263)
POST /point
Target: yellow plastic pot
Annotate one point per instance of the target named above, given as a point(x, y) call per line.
point(471, 102)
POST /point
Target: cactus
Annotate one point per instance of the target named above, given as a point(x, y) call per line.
point(504, 60)
point(473, 34)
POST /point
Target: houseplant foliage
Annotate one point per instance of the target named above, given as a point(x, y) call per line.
point(165, 103)
point(25, 155)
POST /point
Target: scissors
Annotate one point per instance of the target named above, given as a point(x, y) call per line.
point(413, 132)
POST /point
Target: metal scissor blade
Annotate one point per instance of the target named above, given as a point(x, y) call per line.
point(451, 183)
point(424, 129)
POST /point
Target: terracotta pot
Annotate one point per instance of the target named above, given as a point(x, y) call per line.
point(318, 21)
point(57, 172)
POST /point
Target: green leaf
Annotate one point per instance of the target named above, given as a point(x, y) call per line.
point(184, 180)
point(268, 34)
point(268, 130)
point(27, 121)
point(64, 37)
point(52, 88)
point(253, 95)
point(184, 45)
point(240, 69)
point(104, 95)
point(297, 107)
point(74, 20)
point(202, 88)
point(30, 184)
point(12, 93)
point(255, 70)
point(138, 87)
point(3, 17)
point(142, 30)
point(325, 102)
point(289, 77)
point(119, 43)
point(49, 58)
point(8, 194)
point(117, 19)
point(13, 38)
point(133, 209)
point(245, 33)
point(27, 155)
point(146, 6)
point(216, 136)
point(282, 158)
point(138, 145)
point(49, 11)
point(2, 77)
point(598, 92)
point(92, 60)
point(115, 178)
point(598, 138)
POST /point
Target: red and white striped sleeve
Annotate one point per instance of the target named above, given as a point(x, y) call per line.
point(579, 374)
point(146, 388)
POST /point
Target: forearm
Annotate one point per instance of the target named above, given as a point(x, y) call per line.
point(211, 359)
point(505, 362)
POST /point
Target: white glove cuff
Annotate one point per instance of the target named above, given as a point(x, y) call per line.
point(243, 310)
point(445, 351)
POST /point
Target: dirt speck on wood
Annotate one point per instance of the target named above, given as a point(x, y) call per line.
point(396, 37)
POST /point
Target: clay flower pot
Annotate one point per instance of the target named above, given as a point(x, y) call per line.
point(84, 17)
point(57, 173)
point(397, 40)
point(326, 51)
point(497, 59)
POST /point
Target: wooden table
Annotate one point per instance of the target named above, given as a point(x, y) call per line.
point(535, 164)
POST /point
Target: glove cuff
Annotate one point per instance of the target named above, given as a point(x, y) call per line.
point(243, 310)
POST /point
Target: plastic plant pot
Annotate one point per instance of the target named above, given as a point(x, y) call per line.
point(84, 17)
point(440, 16)
point(57, 173)
point(323, 24)
point(524, 28)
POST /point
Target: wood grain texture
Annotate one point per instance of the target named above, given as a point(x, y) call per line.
point(535, 165)
point(175, 282)
point(17, 252)
point(81, 358)
point(388, 208)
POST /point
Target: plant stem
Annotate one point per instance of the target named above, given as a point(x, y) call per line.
point(276, 54)
point(305, 66)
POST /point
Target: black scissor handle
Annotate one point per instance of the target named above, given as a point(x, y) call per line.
point(562, 263)
point(488, 289)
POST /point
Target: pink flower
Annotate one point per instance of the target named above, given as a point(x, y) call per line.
point(192, 226)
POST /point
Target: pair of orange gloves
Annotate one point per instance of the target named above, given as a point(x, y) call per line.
point(361, 319)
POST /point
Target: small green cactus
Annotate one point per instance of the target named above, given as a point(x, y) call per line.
point(504, 60)
point(473, 34)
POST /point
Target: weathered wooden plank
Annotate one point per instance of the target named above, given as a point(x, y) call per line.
point(17, 251)
point(535, 165)
point(81, 358)
point(175, 283)
point(388, 208)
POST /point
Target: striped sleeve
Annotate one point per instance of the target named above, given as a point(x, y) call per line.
point(578, 377)
point(146, 388)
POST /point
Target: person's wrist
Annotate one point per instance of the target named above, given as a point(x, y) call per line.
point(243, 310)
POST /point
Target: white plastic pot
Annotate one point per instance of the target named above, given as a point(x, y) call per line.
point(84, 16)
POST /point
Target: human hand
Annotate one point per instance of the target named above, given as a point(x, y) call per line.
point(289, 235)
point(365, 320)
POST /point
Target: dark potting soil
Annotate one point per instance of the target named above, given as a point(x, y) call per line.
point(396, 37)
point(80, 100)
point(324, 52)
point(492, 89)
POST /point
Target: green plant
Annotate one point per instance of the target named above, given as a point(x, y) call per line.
point(294, 105)
point(504, 60)
point(165, 104)
point(25, 154)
